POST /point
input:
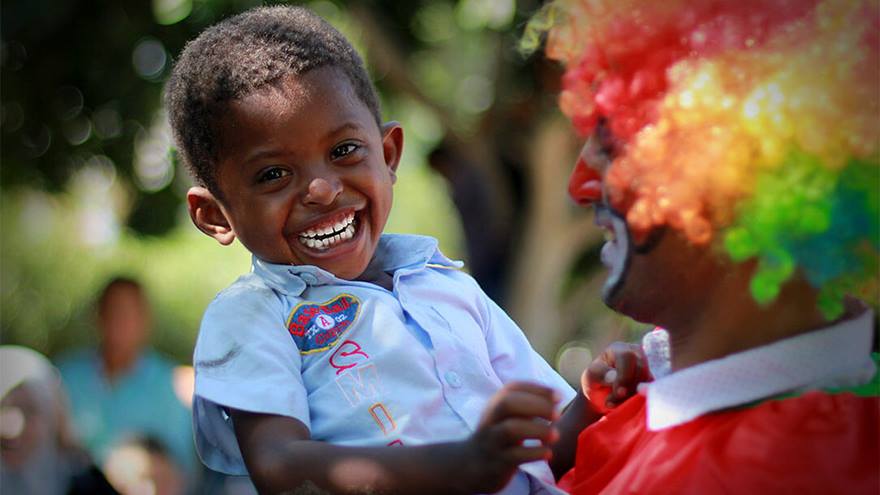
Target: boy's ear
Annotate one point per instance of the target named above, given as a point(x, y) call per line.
point(392, 146)
point(207, 214)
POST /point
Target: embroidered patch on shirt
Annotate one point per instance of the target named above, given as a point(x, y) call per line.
point(316, 327)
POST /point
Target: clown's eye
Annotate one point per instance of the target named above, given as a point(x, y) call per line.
point(272, 174)
point(343, 150)
point(606, 140)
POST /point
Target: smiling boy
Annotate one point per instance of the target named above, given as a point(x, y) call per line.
point(348, 360)
point(347, 167)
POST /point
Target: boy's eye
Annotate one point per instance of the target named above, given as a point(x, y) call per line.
point(271, 174)
point(343, 150)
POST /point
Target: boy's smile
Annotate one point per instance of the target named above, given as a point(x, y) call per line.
point(330, 234)
point(305, 174)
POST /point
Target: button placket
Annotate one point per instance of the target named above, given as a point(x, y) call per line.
point(443, 352)
point(453, 379)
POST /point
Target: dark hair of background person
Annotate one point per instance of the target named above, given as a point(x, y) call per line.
point(115, 282)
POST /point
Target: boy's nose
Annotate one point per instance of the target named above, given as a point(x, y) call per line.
point(322, 191)
point(585, 184)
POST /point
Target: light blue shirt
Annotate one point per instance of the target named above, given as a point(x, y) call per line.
point(141, 402)
point(358, 364)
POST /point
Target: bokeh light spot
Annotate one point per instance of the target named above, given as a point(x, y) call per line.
point(434, 23)
point(169, 12)
point(149, 58)
point(476, 14)
point(37, 141)
point(69, 102)
point(78, 130)
point(572, 359)
point(475, 93)
point(107, 121)
point(11, 116)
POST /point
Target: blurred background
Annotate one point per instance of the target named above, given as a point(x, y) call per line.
point(90, 188)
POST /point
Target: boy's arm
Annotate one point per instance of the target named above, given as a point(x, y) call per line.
point(578, 414)
point(280, 457)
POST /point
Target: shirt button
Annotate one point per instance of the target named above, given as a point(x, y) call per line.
point(309, 278)
point(453, 379)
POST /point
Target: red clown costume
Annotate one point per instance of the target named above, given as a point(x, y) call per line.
point(725, 427)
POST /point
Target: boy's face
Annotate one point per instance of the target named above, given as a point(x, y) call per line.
point(306, 175)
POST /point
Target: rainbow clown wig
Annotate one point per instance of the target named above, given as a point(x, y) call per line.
point(750, 124)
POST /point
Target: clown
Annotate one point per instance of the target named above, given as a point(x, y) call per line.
point(733, 155)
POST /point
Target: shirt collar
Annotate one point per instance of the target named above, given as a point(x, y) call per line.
point(836, 356)
point(399, 251)
point(394, 252)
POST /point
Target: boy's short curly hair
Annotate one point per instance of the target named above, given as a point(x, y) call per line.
point(240, 55)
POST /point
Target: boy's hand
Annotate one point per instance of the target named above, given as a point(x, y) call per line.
point(613, 376)
point(518, 412)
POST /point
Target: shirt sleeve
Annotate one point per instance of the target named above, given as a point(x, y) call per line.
point(244, 359)
point(513, 358)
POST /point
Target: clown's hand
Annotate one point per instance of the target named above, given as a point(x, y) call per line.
point(615, 375)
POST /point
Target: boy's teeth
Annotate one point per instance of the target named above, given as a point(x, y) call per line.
point(325, 237)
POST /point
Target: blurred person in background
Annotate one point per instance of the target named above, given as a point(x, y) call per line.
point(123, 388)
point(37, 452)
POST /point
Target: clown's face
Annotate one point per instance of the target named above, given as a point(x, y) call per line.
point(651, 272)
point(586, 186)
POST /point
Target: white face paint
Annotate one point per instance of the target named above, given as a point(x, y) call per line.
point(615, 252)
